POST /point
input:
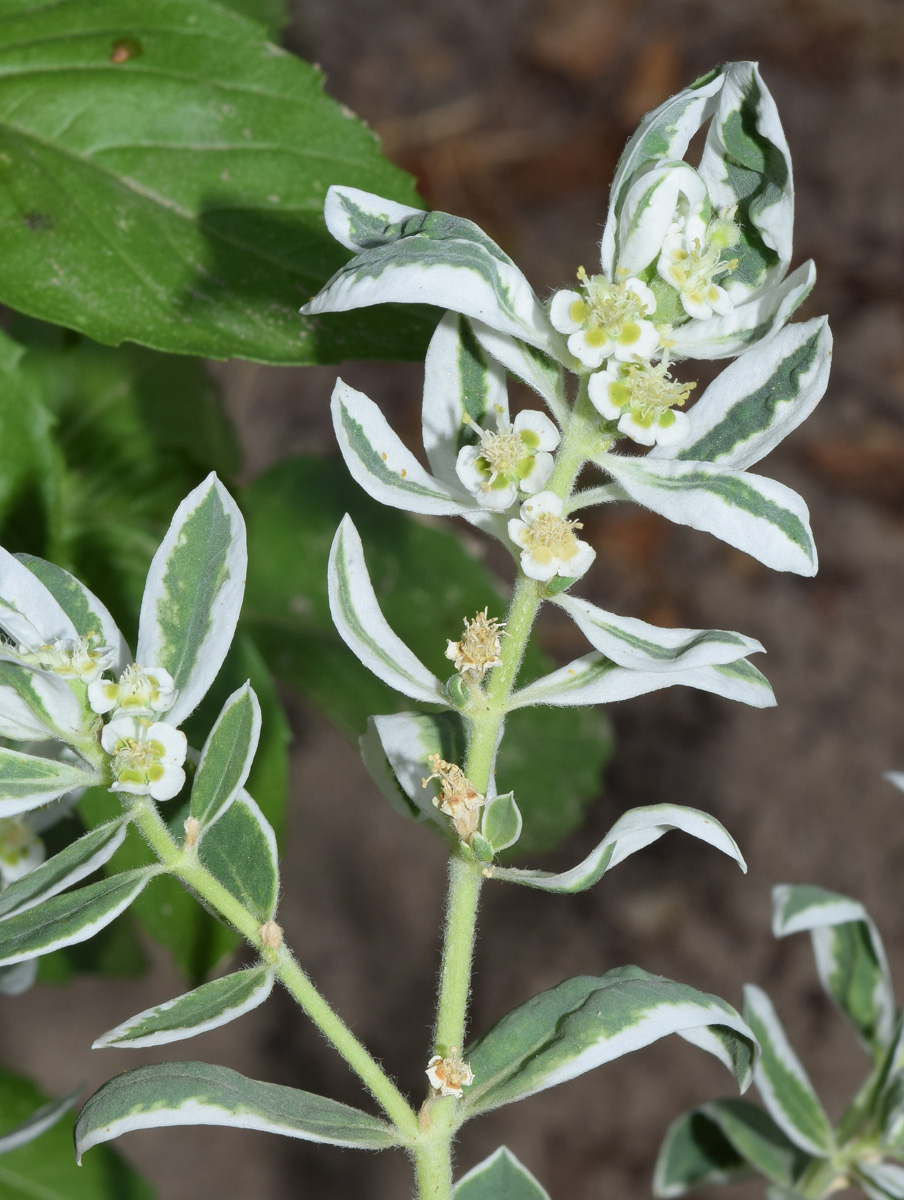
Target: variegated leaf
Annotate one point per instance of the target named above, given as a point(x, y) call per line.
point(758, 515)
point(499, 1177)
point(207, 1007)
point(782, 1081)
point(39, 1122)
point(227, 757)
point(362, 626)
point(36, 705)
point(27, 781)
point(632, 643)
point(850, 956)
point(648, 211)
point(429, 258)
point(194, 593)
point(759, 399)
point(240, 850)
point(382, 465)
point(632, 832)
point(595, 679)
point(538, 370)
point(196, 1093)
point(501, 823)
point(881, 1180)
point(90, 618)
point(588, 1021)
point(28, 612)
point(406, 741)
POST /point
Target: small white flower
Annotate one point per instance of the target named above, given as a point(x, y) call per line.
point(147, 757)
point(691, 261)
point(70, 658)
point(606, 320)
point(449, 1075)
point(21, 850)
point(640, 397)
point(508, 459)
point(141, 691)
point(548, 543)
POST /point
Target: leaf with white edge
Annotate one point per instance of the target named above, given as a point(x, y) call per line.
point(720, 1142)
point(194, 593)
point(70, 918)
point(501, 823)
point(90, 618)
point(629, 642)
point(895, 777)
point(227, 756)
point(37, 705)
point(240, 850)
point(461, 384)
point(196, 1093)
point(537, 370)
point(416, 257)
point(648, 211)
point(207, 1007)
point(782, 1081)
point(77, 861)
point(881, 1180)
point(28, 612)
point(19, 978)
point(757, 515)
point(499, 1177)
point(27, 781)
point(759, 399)
point(362, 626)
point(850, 956)
point(587, 1021)
point(38, 1123)
point(382, 465)
point(639, 827)
point(891, 1109)
point(595, 679)
point(406, 741)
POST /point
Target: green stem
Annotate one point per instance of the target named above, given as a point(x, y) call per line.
point(184, 864)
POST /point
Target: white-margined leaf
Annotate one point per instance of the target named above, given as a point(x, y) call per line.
point(28, 612)
point(758, 515)
point(850, 956)
point(895, 777)
point(759, 399)
point(891, 1106)
point(881, 1180)
point(207, 1007)
point(19, 978)
point(587, 1021)
point(76, 862)
point(196, 1093)
point(227, 756)
point(595, 679)
point(73, 917)
point(39, 1122)
point(37, 705)
point(782, 1081)
point(639, 827)
point(629, 642)
point(652, 198)
point(362, 626)
point(499, 1177)
point(90, 618)
point(461, 384)
point(723, 1141)
point(538, 370)
point(416, 257)
point(382, 465)
point(240, 850)
point(405, 741)
point(194, 593)
point(28, 781)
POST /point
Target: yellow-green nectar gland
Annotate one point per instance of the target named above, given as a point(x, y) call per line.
point(549, 537)
point(138, 761)
point(694, 271)
point(505, 456)
point(610, 311)
point(16, 840)
point(480, 647)
point(458, 798)
point(648, 392)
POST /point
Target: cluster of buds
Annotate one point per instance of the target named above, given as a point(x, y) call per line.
point(458, 798)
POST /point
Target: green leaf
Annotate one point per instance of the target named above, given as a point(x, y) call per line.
point(272, 14)
point(46, 1169)
point(881, 1180)
point(499, 1177)
point(27, 781)
point(207, 1007)
point(38, 1123)
point(501, 823)
point(587, 1021)
point(240, 850)
point(72, 917)
point(79, 860)
point(182, 209)
point(89, 616)
point(227, 757)
point(28, 456)
point(196, 1093)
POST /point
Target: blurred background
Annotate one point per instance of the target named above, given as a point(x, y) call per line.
point(513, 113)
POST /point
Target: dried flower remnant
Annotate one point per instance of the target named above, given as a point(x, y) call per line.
point(480, 646)
point(458, 798)
point(449, 1075)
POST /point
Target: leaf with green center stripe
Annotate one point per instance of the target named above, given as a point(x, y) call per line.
point(648, 211)
point(240, 850)
point(632, 643)
point(783, 1083)
point(77, 861)
point(595, 679)
point(723, 1141)
point(27, 781)
point(880, 1180)
point(533, 367)
point(196, 1093)
point(28, 612)
point(364, 629)
point(194, 593)
point(461, 384)
point(227, 757)
point(37, 706)
point(410, 256)
point(90, 618)
point(760, 516)
point(850, 956)
point(632, 832)
point(499, 1177)
point(757, 401)
point(70, 918)
point(207, 1007)
point(588, 1021)
point(403, 743)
